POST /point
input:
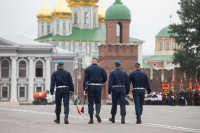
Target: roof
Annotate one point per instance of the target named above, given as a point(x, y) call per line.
point(145, 66)
point(23, 41)
point(158, 58)
point(118, 11)
point(164, 32)
point(97, 34)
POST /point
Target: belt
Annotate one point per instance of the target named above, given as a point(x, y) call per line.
point(62, 86)
point(139, 88)
point(94, 84)
point(118, 85)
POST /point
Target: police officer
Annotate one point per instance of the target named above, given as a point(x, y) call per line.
point(64, 85)
point(94, 76)
point(140, 81)
point(119, 86)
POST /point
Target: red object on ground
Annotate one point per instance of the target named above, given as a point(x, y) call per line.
point(40, 95)
point(82, 110)
point(78, 110)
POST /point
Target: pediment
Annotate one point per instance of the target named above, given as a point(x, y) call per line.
point(6, 43)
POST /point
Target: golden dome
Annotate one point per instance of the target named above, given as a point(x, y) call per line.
point(45, 14)
point(101, 13)
point(62, 10)
point(83, 2)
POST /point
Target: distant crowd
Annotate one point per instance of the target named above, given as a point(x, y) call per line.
point(184, 97)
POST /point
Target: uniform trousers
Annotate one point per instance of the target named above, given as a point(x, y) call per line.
point(62, 93)
point(138, 96)
point(94, 96)
point(118, 93)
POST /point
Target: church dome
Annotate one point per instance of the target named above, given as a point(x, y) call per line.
point(45, 14)
point(164, 32)
point(62, 10)
point(83, 2)
point(101, 13)
point(118, 11)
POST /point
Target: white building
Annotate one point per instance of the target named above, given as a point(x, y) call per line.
point(26, 67)
point(78, 27)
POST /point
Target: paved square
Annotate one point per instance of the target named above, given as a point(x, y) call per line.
point(156, 119)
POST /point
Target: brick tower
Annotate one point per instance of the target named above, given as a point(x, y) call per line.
point(118, 18)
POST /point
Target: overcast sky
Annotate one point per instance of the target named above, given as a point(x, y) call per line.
point(19, 17)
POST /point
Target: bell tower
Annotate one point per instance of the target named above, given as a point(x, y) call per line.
point(118, 47)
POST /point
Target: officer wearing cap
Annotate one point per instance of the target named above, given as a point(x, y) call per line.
point(64, 85)
point(139, 81)
point(94, 77)
point(119, 86)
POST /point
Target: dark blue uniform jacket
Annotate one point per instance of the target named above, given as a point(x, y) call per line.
point(94, 74)
point(61, 78)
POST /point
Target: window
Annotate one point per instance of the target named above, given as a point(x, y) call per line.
point(42, 29)
point(80, 47)
point(57, 26)
point(5, 69)
point(22, 69)
point(64, 27)
point(167, 45)
point(70, 47)
point(86, 19)
point(21, 91)
point(69, 27)
point(4, 92)
point(96, 47)
point(63, 46)
point(174, 45)
point(94, 18)
point(38, 89)
point(74, 47)
point(39, 69)
point(90, 49)
point(160, 47)
point(48, 29)
point(154, 64)
point(75, 18)
point(86, 47)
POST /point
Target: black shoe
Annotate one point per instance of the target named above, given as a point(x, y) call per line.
point(91, 120)
point(112, 119)
point(66, 119)
point(98, 117)
point(138, 119)
point(123, 120)
point(57, 120)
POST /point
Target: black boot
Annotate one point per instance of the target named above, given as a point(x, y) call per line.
point(57, 120)
point(112, 119)
point(123, 120)
point(91, 120)
point(66, 119)
point(138, 119)
point(98, 117)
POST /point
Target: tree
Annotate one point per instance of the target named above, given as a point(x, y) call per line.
point(187, 34)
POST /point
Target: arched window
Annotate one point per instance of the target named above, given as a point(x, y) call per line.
point(22, 69)
point(5, 69)
point(175, 45)
point(119, 32)
point(160, 46)
point(39, 69)
point(64, 28)
point(94, 18)
point(167, 45)
point(75, 17)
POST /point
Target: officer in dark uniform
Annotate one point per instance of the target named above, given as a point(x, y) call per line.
point(140, 81)
point(64, 86)
point(119, 86)
point(94, 77)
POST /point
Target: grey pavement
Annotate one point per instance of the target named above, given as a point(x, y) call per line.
point(156, 119)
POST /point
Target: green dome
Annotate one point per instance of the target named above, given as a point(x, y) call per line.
point(118, 11)
point(164, 32)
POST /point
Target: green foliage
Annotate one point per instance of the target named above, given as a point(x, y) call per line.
point(188, 34)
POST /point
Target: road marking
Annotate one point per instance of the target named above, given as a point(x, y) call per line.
point(84, 117)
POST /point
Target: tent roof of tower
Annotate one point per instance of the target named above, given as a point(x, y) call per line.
point(95, 35)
